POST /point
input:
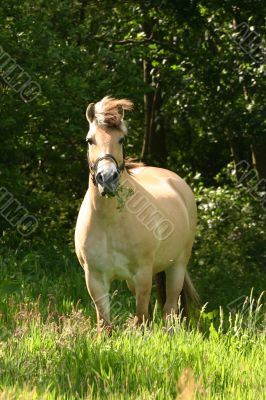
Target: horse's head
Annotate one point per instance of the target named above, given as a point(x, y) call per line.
point(105, 138)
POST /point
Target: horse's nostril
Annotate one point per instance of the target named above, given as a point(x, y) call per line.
point(107, 178)
point(115, 175)
point(99, 178)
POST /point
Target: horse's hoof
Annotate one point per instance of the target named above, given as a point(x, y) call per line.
point(105, 330)
point(139, 324)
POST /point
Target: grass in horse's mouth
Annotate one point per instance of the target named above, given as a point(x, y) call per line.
point(108, 195)
point(122, 194)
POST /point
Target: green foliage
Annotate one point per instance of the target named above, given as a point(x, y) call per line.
point(229, 257)
point(212, 92)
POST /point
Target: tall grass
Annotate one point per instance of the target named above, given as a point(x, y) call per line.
point(49, 348)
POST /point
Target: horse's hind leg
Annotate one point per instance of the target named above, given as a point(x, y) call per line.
point(174, 280)
point(131, 287)
point(143, 284)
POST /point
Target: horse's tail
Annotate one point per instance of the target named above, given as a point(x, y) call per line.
point(188, 295)
point(161, 288)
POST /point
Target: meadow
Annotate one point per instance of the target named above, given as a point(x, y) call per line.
point(49, 348)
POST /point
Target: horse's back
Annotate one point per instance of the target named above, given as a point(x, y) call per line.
point(166, 185)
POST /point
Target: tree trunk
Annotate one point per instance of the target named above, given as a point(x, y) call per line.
point(238, 154)
point(154, 144)
point(259, 160)
point(148, 100)
point(157, 130)
point(81, 19)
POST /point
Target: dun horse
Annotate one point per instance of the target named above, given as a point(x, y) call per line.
point(151, 234)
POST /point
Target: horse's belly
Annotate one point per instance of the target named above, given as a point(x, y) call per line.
point(169, 250)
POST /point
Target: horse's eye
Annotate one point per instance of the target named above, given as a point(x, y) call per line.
point(89, 141)
point(121, 140)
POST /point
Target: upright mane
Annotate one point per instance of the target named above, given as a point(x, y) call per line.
point(109, 112)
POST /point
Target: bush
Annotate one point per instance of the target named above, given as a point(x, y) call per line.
point(229, 253)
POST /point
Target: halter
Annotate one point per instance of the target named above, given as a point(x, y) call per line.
point(93, 166)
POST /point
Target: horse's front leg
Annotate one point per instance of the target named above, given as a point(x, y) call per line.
point(143, 285)
point(98, 287)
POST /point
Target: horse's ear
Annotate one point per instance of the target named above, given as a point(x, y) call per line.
point(121, 111)
point(90, 112)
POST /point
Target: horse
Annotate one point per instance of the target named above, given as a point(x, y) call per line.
point(150, 234)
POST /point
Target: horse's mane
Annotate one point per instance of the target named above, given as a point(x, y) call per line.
point(130, 164)
point(110, 111)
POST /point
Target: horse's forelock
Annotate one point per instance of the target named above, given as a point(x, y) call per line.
point(110, 111)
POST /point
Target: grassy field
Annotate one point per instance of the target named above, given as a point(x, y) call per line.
point(49, 348)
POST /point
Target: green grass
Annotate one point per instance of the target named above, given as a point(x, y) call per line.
point(49, 348)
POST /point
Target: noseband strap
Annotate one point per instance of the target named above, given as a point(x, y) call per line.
point(93, 166)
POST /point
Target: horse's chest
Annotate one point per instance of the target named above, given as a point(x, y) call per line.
point(111, 259)
point(120, 266)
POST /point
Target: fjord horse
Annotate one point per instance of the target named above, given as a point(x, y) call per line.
point(151, 234)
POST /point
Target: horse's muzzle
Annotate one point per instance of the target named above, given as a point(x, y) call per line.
point(107, 181)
